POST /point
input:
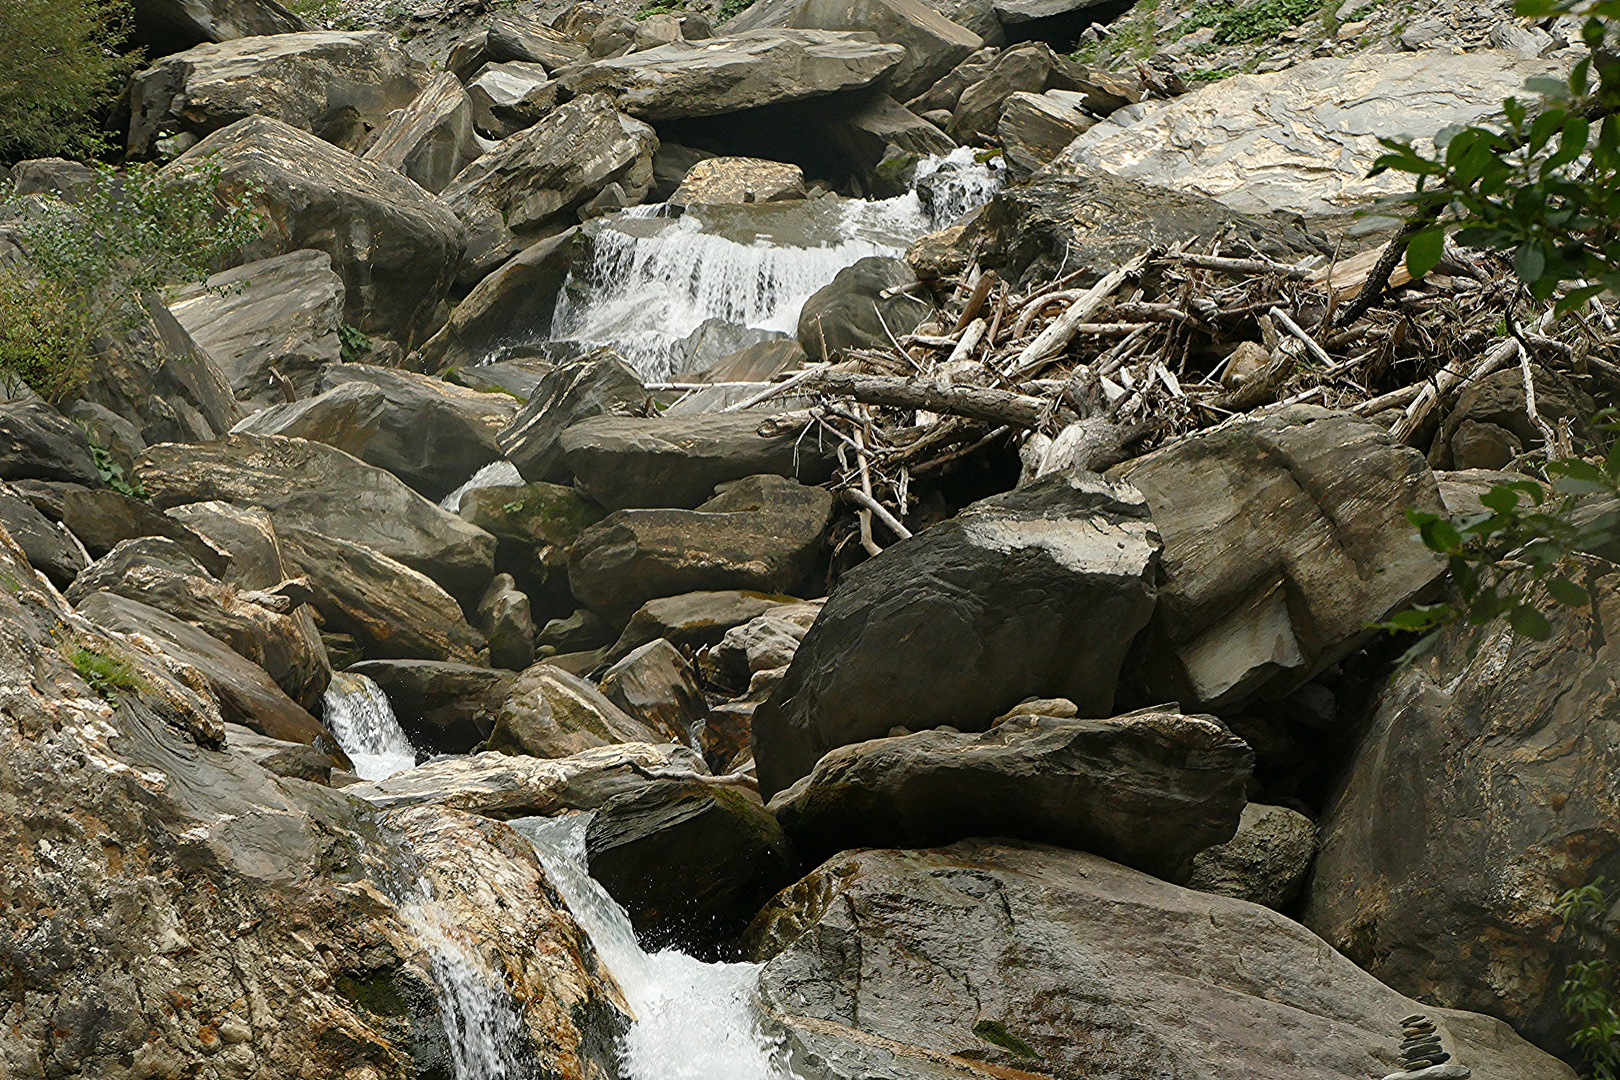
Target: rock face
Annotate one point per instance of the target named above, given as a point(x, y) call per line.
point(1151, 789)
point(49, 547)
point(1284, 537)
point(396, 247)
point(657, 686)
point(680, 461)
point(1252, 166)
point(39, 443)
point(516, 300)
point(933, 43)
point(431, 434)
point(1034, 129)
point(1037, 592)
point(740, 71)
point(307, 485)
point(169, 26)
point(691, 862)
point(506, 98)
point(510, 196)
point(738, 180)
point(1410, 881)
point(598, 384)
point(432, 139)
point(338, 85)
point(762, 533)
point(850, 311)
point(1013, 959)
point(1265, 863)
point(551, 713)
point(266, 321)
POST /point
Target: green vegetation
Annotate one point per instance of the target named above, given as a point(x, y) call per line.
point(1234, 23)
point(112, 473)
point(109, 676)
point(92, 262)
point(1131, 36)
point(352, 343)
point(1208, 75)
point(658, 7)
point(996, 1033)
point(730, 9)
point(330, 14)
point(1588, 993)
point(61, 70)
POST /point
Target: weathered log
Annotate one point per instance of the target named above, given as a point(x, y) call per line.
point(977, 403)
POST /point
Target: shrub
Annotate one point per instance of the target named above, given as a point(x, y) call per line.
point(109, 676)
point(1588, 994)
point(61, 69)
point(44, 335)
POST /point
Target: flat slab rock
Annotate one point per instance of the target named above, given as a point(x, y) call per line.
point(1000, 958)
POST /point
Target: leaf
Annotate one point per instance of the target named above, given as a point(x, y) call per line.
point(1566, 592)
point(1552, 89)
point(1441, 535)
point(1411, 621)
point(1529, 262)
point(1531, 623)
point(1501, 498)
point(1424, 250)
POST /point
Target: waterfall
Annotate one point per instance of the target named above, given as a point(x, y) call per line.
point(358, 713)
point(496, 474)
point(655, 277)
point(693, 1021)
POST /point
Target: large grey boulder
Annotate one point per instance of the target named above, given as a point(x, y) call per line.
point(691, 862)
point(267, 324)
point(850, 311)
point(170, 26)
point(506, 98)
point(395, 246)
point(1265, 863)
point(512, 36)
point(50, 547)
point(104, 518)
point(391, 610)
point(319, 488)
point(505, 618)
point(432, 139)
point(445, 707)
point(551, 713)
point(1038, 592)
point(600, 383)
point(657, 686)
point(761, 533)
point(679, 461)
point(739, 71)
point(693, 620)
point(347, 417)
point(1480, 791)
point(246, 534)
point(1007, 958)
point(534, 525)
point(432, 434)
point(1285, 536)
point(339, 85)
point(1034, 129)
point(719, 180)
point(1150, 789)
point(535, 180)
point(511, 305)
point(1015, 12)
point(39, 443)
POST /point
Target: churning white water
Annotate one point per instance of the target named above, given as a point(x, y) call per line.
point(358, 713)
point(693, 1021)
point(496, 474)
point(655, 277)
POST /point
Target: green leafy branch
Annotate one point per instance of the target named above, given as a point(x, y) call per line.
point(1587, 993)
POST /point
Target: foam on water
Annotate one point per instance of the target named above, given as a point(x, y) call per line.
point(358, 713)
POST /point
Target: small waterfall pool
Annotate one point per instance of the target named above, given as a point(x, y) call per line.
point(359, 714)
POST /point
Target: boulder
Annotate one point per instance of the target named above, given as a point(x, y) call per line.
point(119, 437)
point(764, 643)
point(762, 533)
point(321, 489)
point(657, 686)
point(945, 93)
point(506, 98)
point(39, 443)
point(1479, 793)
point(347, 417)
point(433, 434)
point(883, 140)
point(155, 377)
point(582, 631)
point(517, 376)
point(1015, 12)
point(1026, 68)
point(1495, 406)
point(933, 44)
point(51, 548)
point(432, 139)
point(247, 535)
point(512, 304)
point(102, 519)
point(693, 620)
point(534, 526)
point(513, 35)
point(760, 362)
point(656, 30)
point(395, 246)
point(601, 383)
point(504, 618)
point(1007, 958)
point(530, 184)
point(850, 312)
point(551, 713)
point(246, 694)
point(338, 85)
point(267, 324)
point(679, 461)
point(391, 610)
point(738, 180)
point(1265, 863)
point(1150, 789)
point(1285, 537)
point(260, 628)
point(739, 71)
point(1034, 129)
point(170, 26)
point(976, 16)
point(503, 786)
point(1037, 592)
point(690, 862)
point(1257, 142)
point(444, 707)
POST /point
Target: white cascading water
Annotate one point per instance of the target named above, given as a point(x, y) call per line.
point(495, 474)
point(358, 713)
point(693, 1021)
point(651, 285)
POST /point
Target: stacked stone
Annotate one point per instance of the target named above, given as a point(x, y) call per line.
point(1420, 1044)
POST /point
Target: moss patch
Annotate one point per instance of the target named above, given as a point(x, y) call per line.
point(1235, 22)
point(995, 1033)
point(109, 676)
